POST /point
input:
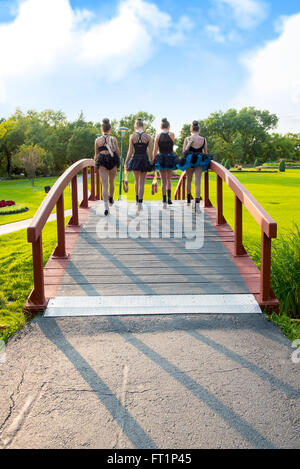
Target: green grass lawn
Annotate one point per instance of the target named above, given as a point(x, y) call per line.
point(22, 192)
point(278, 193)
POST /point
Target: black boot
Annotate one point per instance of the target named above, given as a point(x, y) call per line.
point(189, 197)
point(137, 199)
point(111, 200)
point(169, 197)
point(164, 201)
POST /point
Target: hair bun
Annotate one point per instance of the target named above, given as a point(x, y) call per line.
point(195, 123)
point(164, 119)
point(105, 121)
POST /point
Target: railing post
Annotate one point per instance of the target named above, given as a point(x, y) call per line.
point(85, 203)
point(37, 300)
point(92, 196)
point(265, 269)
point(60, 250)
point(97, 184)
point(74, 221)
point(207, 202)
point(183, 188)
point(220, 218)
point(238, 230)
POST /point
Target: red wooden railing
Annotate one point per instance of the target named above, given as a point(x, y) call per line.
point(37, 300)
point(242, 197)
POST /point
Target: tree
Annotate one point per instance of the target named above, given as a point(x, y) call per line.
point(12, 134)
point(239, 135)
point(31, 158)
point(81, 144)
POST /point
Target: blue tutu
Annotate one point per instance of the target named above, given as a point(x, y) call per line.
point(193, 160)
point(165, 161)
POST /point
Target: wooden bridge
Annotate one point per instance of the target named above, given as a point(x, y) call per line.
point(98, 268)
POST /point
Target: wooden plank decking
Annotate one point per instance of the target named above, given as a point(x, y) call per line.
point(150, 266)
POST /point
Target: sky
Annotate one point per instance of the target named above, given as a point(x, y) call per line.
point(172, 58)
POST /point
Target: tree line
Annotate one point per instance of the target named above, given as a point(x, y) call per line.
point(47, 143)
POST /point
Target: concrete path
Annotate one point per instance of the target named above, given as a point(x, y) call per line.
point(23, 224)
point(204, 381)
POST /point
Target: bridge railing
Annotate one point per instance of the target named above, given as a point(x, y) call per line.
point(55, 196)
point(242, 197)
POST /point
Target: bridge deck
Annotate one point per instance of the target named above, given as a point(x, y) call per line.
point(111, 269)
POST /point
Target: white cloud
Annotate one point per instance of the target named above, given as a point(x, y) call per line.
point(274, 75)
point(215, 33)
point(48, 35)
point(247, 13)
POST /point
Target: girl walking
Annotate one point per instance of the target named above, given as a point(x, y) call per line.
point(107, 157)
point(142, 160)
point(166, 160)
point(195, 160)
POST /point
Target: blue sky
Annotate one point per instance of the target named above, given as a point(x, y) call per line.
point(177, 59)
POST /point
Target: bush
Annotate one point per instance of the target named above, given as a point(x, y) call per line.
point(285, 270)
point(223, 162)
point(282, 166)
point(227, 164)
point(256, 163)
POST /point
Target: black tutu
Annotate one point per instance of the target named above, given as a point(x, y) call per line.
point(165, 161)
point(109, 162)
point(140, 163)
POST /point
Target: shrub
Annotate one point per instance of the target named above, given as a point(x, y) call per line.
point(227, 164)
point(282, 166)
point(256, 163)
point(285, 270)
point(223, 162)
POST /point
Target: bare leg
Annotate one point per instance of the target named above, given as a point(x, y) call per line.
point(142, 184)
point(189, 179)
point(136, 183)
point(169, 185)
point(163, 177)
point(112, 176)
point(169, 175)
point(104, 181)
point(198, 174)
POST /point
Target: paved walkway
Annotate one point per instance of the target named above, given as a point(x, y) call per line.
point(23, 224)
point(204, 381)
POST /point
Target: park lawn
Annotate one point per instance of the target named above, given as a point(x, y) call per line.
point(16, 278)
point(278, 193)
point(22, 192)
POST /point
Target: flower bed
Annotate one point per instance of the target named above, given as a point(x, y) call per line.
point(12, 209)
point(6, 203)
